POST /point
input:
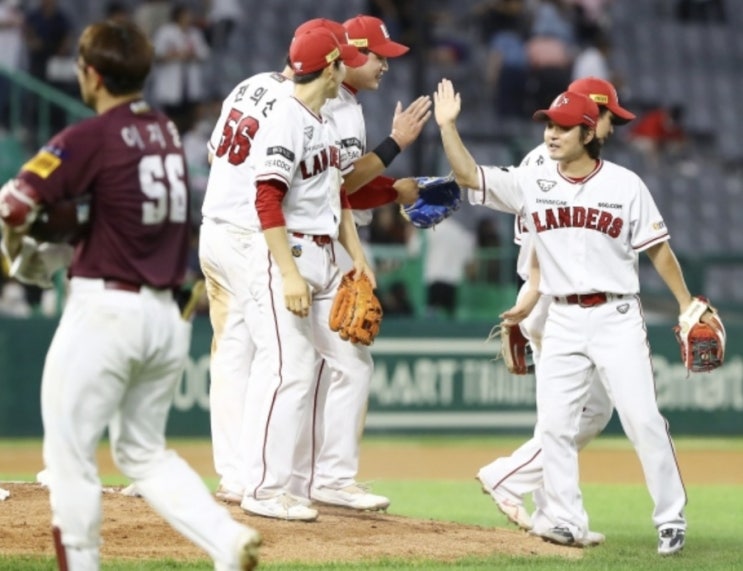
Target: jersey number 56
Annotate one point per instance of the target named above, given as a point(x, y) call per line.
point(237, 137)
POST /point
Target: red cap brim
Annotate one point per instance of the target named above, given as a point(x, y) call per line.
point(389, 49)
point(621, 115)
point(559, 117)
point(352, 57)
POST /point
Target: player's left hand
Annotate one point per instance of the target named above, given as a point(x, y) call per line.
point(362, 267)
point(522, 309)
point(407, 124)
point(447, 103)
point(407, 190)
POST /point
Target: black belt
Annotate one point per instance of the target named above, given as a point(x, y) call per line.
point(121, 285)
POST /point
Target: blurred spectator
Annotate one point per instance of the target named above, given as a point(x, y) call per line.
point(398, 17)
point(48, 33)
point(658, 131)
point(550, 50)
point(503, 28)
point(488, 239)
point(150, 15)
point(13, 300)
point(117, 12)
point(178, 77)
point(388, 227)
point(593, 59)
point(395, 300)
point(194, 147)
point(712, 11)
point(449, 249)
point(222, 18)
point(11, 45)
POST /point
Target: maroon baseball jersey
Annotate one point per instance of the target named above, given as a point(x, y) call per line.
point(130, 160)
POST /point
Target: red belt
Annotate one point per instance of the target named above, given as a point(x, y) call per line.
point(320, 240)
point(588, 299)
point(121, 286)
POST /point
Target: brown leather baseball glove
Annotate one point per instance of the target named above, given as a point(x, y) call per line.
point(702, 343)
point(515, 349)
point(356, 313)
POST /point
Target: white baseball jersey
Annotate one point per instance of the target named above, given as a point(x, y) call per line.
point(537, 156)
point(346, 116)
point(230, 192)
point(312, 204)
point(587, 233)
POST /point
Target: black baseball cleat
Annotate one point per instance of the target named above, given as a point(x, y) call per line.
point(671, 540)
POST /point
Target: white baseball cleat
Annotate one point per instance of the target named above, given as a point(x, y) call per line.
point(4, 494)
point(228, 496)
point(282, 506)
point(354, 496)
point(245, 557)
point(671, 540)
point(131, 491)
point(562, 535)
point(43, 478)
point(512, 509)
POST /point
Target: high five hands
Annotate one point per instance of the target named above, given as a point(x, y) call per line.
point(447, 103)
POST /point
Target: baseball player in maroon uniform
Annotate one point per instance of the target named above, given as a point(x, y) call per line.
point(121, 344)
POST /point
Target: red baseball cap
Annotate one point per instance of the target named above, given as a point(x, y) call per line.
point(370, 33)
point(316, 49)
point(570, 109)
point(340, 34)
point(603, 93)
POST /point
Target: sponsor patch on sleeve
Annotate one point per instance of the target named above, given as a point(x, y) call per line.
point(42, 164)
point(283, 151)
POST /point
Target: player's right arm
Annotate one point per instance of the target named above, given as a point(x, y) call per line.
point(19, 204)
point(447, 105)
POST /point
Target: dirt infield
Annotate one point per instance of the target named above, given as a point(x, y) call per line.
point(132, 531)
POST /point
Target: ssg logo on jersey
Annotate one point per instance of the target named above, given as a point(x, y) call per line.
point(329, 157)
point(578, 217)
point(546, 185)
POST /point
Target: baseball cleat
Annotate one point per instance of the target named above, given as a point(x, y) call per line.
point(131, 491)
point(671, 540)
point(354, 496)
point(247, 554)
point(514, 511)
point(561, 535)
point(282, 506)
point(228, 496)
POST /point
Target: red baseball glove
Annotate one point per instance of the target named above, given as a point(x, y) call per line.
point(356, 313)
point(702, 343)
point(515, 349)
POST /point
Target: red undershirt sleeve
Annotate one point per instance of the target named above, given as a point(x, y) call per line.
point(345, 204)
point(269, 196)
point(376, 192)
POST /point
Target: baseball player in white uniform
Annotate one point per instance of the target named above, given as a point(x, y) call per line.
point(301, 209)
point(589, 220)
point(508, 479)
point(229, 216)
point(327, 457)
point(229, 213)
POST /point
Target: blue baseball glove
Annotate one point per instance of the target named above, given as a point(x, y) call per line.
point(438, 198)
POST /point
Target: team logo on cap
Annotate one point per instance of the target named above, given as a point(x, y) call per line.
point(384, 31)
point(599, 98)
point(546, 185)
point(560, 100)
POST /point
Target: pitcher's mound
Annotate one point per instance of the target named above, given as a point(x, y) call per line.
point(131, 530)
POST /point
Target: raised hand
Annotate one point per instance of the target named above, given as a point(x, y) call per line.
point(447, 103)
point(407, 124)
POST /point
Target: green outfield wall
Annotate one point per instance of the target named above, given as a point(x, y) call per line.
point(430, 376)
